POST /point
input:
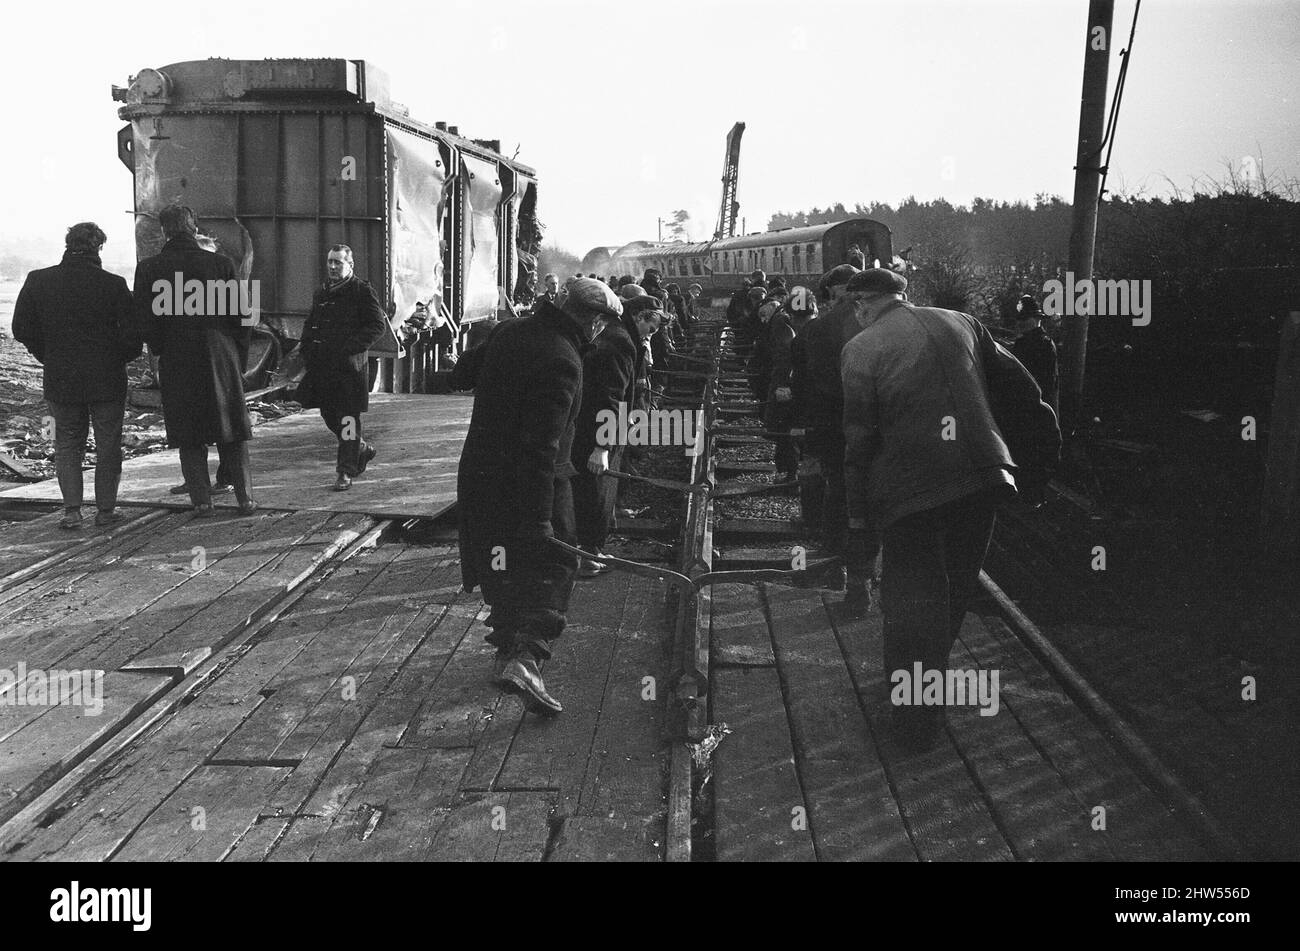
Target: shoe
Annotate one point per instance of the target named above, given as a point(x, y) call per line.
point(521, 672)
point(203, 510)
point(247, 508)
point(71, 519)
point(367, 454)
point(181, 489)
point(590, 568)
point(110, 517)
point(342, 483)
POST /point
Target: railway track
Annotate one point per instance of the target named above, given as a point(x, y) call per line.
point(709, 377)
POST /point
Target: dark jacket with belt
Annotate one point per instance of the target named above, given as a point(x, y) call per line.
point(527, 381)
point(201, 356)
point(75, 318)
point(346, 320)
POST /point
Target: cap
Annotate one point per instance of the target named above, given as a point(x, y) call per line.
point(589, 294)
point(877, 280)
point(630, 291)
point(837, 276)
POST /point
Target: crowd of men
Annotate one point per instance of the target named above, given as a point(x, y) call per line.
point(85, 325)
point(903, 427)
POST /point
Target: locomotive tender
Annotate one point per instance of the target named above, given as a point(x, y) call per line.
point(282, 158)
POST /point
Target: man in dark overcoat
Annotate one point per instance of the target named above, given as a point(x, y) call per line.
point(346, 320)
point(513, 490)
point(75, 318)
point(609, 374)
point(202, 349)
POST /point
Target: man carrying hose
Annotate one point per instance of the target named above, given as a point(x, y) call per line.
point(513, 487)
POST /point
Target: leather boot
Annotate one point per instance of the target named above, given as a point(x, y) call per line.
point(522, 672)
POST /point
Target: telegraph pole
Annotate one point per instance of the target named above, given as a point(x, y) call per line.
point(1087, 194)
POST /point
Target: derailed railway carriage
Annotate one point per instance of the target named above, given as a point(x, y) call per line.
point(282, 158)
point(799, 255)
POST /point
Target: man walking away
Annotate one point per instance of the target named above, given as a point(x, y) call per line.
point(75, 318)
point(513, 488)
point(927, 465)
point(201, 359)
point(346, 320)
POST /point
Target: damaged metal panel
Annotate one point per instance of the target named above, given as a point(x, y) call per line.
point(481, 187)
point(417, 184)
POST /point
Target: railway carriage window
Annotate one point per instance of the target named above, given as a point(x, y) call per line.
point(797, 268)
point(697, 267)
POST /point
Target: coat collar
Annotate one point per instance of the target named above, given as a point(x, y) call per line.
point(83, 258)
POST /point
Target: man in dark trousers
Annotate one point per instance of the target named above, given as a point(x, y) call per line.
point(610, 369)
point(825, 340)
point(781, 412)
point(346, 320)
point(75, 318)
point(513, 491)
point(1035, 349)
point(926, 466)
point(202, 352)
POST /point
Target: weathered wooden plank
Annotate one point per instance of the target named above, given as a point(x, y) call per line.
point(333, 724)
point(553, 752)
point(53, 743)
point(946, 815)
point(852, 811)
point(738, 629)
point(257, 842)
point(1042, 818)
point(596, 839)
point(203, 819)
point(498, 827)
point(92, 820)
point(393, 814)
point(626, 772)
point(201, 616)
point(757, 799)
point(1139, 826)
point(292, 460)
point(334, 614)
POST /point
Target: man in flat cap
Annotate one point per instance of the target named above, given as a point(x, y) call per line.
point(1035, 349)
point(513, 491)
point(926, 466)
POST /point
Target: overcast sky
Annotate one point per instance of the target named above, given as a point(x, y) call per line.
point(623, 107)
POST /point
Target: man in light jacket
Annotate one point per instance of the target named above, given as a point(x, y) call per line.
point(926, 465)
